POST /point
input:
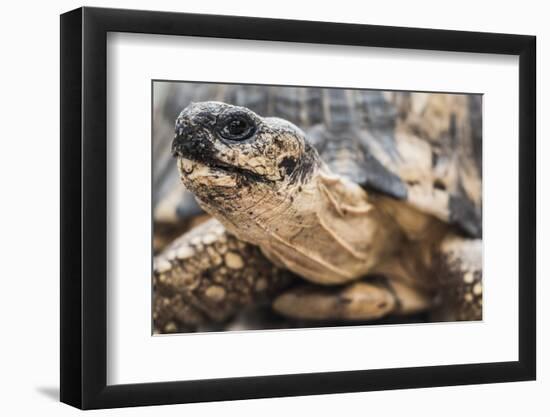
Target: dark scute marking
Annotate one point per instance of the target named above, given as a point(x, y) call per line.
point(378, 112)
point(439, 185)
point(475, 110)
point(384, 138)
point(378, 178)
point(453, 131)
point(339, 113)
point(464, 215)
point(288, 164)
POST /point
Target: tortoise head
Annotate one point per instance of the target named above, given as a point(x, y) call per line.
point(225, 152)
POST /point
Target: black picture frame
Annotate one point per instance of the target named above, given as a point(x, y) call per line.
point(84, 207)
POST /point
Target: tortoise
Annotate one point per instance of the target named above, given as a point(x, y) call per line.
point(331, 204)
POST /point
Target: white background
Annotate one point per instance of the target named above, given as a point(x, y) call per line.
point(134, 356)
point(29, 221)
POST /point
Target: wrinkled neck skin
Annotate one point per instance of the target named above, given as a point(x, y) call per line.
point(323, 227)
point(331, 234)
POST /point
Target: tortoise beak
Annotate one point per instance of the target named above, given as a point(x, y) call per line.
point(186, 142)
point(195, 144)
point(177, 147)
point(184, 135)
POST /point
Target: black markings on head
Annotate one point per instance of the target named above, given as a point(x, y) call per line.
point(194, 144)
point(204, 127)
point(288, 164)
point(305, 167)
point(197, 147)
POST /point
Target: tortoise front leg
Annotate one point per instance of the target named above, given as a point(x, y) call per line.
point(206, 276)
point(369, 299)
point(459, 267)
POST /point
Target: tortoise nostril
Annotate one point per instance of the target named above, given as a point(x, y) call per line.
point(184, 137)
point(185, 130)
point(182, 127)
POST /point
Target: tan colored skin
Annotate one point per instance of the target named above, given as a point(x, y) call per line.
point(322, 227)
point(322, 230)
point(326, 229)
point(208, 276)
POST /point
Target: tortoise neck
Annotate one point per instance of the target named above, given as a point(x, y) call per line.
point(324, 229)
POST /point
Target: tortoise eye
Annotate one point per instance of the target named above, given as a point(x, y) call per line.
point(237, 128)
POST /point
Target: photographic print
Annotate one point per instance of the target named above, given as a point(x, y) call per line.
point(291, 212)
point(278, 207)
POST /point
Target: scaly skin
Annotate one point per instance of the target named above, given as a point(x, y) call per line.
point(458, 267)
point(263, 181)
point(207, 275)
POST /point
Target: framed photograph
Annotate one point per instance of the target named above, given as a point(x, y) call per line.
point(257, 208)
